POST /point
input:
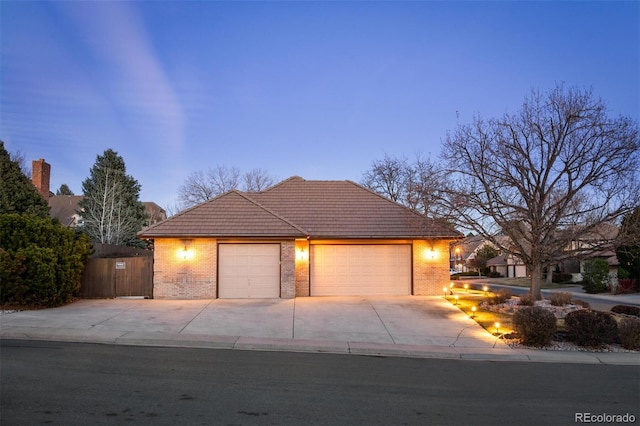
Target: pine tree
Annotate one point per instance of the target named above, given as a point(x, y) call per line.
point(17, 193)
point(64, 190)
point(111, 209)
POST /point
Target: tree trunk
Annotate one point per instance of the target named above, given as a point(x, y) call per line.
point(536, 282)
point(549, 274)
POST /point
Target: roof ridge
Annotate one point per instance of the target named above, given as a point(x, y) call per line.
point(282, 182)
point(397, 204)
point(188, 209)
point(282, 218)
point(389, 200)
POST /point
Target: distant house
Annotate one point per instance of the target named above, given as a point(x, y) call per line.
point(464, 251)
point(596, 244)
point(66, 208)
point(507, 266)
point(299, 238)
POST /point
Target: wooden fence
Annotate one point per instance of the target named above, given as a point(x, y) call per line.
point(117, 277)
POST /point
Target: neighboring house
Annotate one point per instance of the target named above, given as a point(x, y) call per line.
point(299, 238)
point(599, 243)
point(462, 252)
point(507, 266)
point(65, 208)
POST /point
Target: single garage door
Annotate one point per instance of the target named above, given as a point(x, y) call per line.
point(248, 271)
point(360, 270)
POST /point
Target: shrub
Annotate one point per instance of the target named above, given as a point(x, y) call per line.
point(626, 310)
point(499, 297)
point(41, 262)
point(591, 328)
point(560, 298)
point(595, 276)
point(494, 274)
point(582, 303)
point(535, 325)
point(629, 329)
point(561, 277)
point(626, 286)
point(526, 300)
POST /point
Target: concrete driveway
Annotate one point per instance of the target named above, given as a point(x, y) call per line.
point(409, 320)
point(415, 326)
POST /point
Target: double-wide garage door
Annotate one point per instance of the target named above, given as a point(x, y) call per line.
point(360, 270)
point(248, 271)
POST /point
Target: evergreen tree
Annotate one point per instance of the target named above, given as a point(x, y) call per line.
point(17, 193)
point(111, 209)
point(628, 251)
point(64, 190)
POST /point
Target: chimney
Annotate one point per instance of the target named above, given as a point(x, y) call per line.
point(40, 175)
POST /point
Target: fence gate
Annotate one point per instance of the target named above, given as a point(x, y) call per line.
point(116, 277)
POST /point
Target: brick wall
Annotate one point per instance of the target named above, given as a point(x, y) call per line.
point(287, 270)
point(180, 275)
point(430, 266)
point(302, 268)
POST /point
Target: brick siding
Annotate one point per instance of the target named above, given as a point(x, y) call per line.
point(177, 277)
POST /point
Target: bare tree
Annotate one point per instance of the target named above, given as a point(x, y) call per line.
point(548, 176)
point(413, 184)
point(20, 158)
point(388, 177)
point(200, 186)
point(257, 180)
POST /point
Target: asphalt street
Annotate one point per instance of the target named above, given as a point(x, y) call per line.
point(80, 383)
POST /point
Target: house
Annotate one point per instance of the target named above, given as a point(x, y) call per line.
point(464, 251)
point(299, 238)
point(508, 266)
point(66, 208)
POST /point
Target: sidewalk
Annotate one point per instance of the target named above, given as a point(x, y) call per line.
point(618, 299)
point(411, 326)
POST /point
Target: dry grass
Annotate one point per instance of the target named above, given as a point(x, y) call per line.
point(486, 319)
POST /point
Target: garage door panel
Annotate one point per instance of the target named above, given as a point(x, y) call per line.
point(249, 271)
point(347, 270)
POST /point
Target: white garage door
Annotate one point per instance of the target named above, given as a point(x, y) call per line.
point(360, 270)
point(248, 271)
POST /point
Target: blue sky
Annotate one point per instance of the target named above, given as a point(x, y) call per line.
point(315, 89)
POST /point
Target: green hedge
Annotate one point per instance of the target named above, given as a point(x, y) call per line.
point(41, 261)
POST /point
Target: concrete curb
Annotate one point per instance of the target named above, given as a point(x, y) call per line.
point(326, 346)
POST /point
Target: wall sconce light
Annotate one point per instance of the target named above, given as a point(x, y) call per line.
point(301, 254)
point(429, 254)
point(186, 252)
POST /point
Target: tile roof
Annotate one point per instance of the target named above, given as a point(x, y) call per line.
point(63, 207)
point(300, 208)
